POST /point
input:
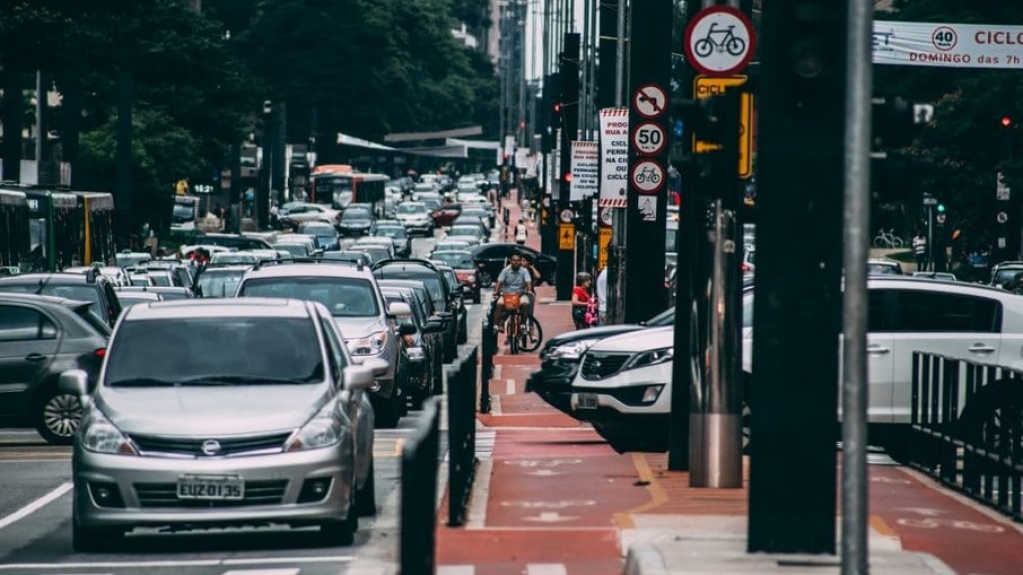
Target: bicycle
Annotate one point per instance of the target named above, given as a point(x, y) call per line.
point(887, 239)
point(730, 43)
point(523, 331)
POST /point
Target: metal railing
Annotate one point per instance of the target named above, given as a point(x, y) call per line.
point(419, 463)
point(461, 402)
point(967, 428)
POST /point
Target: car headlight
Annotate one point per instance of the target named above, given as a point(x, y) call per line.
point(323, 430)
point(574, 350)
point(369, 345)
point(652, 357)
point(101, 436)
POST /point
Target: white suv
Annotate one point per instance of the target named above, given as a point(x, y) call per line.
point(617, 387)
point(351, 294)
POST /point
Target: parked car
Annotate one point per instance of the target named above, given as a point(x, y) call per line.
point(40, 337)
point(884, 267)
point(351, 295)
point(154, 447)
point(1005, 272)
point(492, 258)
point(91, 287)
point(427, 273)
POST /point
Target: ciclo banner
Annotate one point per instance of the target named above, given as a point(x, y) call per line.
point(948, 45)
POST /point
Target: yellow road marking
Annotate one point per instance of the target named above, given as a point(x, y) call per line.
point(877, 523)
point(657, 495)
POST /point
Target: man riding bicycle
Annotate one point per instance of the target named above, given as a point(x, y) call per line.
point(514, 279)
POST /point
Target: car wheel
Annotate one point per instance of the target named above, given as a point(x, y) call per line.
point(366, 497)
point(59, 416)
point(334, 533)
point(93, 539)
point(463, 331)
point(388, 411)
point(486, 280)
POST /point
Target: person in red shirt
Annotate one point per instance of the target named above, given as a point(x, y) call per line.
point(581, 299)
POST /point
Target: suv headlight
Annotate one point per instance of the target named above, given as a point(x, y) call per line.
point(652, 357)
point(372, 344)
point(573, 351)
point(323, 430)
point(99, 435)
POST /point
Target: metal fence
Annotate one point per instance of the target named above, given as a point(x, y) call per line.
point(967, 428)
point(419, 463)
point(461, 403)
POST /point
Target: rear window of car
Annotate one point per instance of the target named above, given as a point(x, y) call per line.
point(84, 292)
point(457, 260)
point(216, 283)
point(940, 312)
point(429, 278)
point(214, 351)
point(344, 297)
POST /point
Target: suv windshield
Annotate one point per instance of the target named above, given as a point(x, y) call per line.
point(344, 297)
point(219, 283)
point(411, 208)
point(214, 351)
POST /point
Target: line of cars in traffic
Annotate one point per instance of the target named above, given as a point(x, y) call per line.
point(251, 408)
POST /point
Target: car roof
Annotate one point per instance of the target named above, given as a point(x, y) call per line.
point(200, 308)
point(46, 299)
point(326, 268)
point(50, 278)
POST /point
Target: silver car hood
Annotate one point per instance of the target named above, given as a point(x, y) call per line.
point(637, 341)
point(356, 327)
point(211, 411)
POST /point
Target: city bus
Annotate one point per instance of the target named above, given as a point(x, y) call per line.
point(15, 245)
point(339, 185)
point(97, 217)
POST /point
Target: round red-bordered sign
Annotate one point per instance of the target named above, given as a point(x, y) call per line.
point(719, 41)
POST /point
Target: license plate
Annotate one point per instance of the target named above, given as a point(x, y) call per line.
point(211, 487)
point(587, 401)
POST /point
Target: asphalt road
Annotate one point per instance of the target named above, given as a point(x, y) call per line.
point(35, 519)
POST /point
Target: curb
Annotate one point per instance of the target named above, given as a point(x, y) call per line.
point(645, 559)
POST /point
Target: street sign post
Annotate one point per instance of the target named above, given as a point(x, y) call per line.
point(649, 138)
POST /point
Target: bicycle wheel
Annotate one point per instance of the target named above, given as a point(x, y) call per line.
point(514, 333)
point(897, 242)
point(703, 47)
point(735, 46)
point(532, 335)
point(879, 242)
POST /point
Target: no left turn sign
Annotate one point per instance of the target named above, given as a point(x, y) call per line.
point(719, 41)
point(648, 138)
point(650, 101)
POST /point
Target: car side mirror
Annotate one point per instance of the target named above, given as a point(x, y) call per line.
point(378, 366)
point(358, 377)
point(434, 325)
point(75, 382)
point(444, 315)
point(399, 309)
point(407, 329)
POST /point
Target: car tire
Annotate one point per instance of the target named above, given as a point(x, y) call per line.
point(463, 331)
point(93, 539)
point(366, 497)
point(333, 533)
point(486, 280)
point(58, 415)
point(388, 411)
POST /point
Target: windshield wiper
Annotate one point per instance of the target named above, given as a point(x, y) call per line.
point(239, 380)
point(141, 382)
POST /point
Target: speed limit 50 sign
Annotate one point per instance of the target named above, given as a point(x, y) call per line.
point(648, 139)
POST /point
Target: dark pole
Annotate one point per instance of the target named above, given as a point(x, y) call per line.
point(123, 200)
point(569, 71)
point(798, 316)
point(71, 118)
point(13, 120)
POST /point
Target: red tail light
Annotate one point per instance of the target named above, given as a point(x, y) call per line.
point(100, 352)
point(745, 267)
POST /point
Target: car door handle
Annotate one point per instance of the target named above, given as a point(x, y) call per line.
point(877, 349)
point(34, 357)
point(981, 348)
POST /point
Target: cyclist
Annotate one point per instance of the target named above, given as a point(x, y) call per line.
point(513, 280)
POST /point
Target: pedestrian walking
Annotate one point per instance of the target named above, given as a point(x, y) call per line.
point(520, 232)
point(920, 250)
point(581, 299)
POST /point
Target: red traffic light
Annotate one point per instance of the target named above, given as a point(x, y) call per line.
point(557, 107)
point(568, 176)
point(1006, 121)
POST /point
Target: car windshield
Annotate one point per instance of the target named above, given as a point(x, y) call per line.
point(300, 250)
point(214, 351)
point(356, 214)
point(431, 280)
point(219, 283)
point(344, 297)
point(457, 260)
point(391, 232)
point(1005, 274)
point(411, 208)
point(463, 231)
point(233, 258)
point(84, 292)
point(318, 230)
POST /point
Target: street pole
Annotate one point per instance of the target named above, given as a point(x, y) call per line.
point(855, 484)
point(615, 269)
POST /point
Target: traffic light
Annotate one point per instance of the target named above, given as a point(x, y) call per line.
point(556, 108)
point(1006, 127)
point(1006, 121)
point(940, 208)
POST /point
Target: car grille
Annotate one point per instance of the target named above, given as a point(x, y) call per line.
point(268, 492)
point(601, 365)
point(193, 446)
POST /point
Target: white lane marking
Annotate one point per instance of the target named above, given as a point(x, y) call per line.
point(509, 387)
point(480, 495)
point(285, 571)
point(546, 569)
point(36, 505)
point(272, 560)
point(456, 570)
point(192, 563)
